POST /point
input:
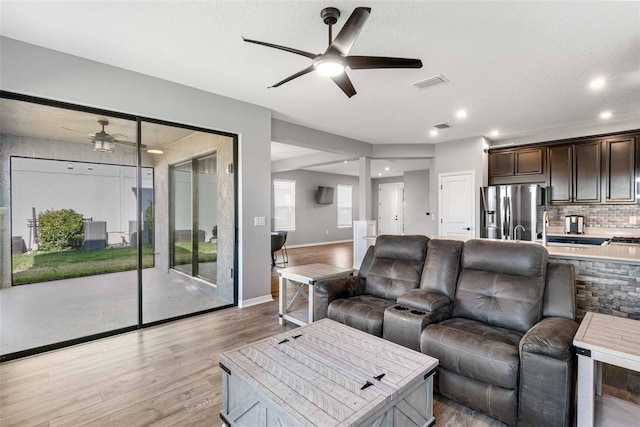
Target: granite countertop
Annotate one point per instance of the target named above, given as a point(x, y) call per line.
point(627, 254)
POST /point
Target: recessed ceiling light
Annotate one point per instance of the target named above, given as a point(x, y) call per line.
point(154, 151)
point(495, 133)
point(386, 168)
point(606, 115)
point(345, 161)
point(379, 174)
point(597, 83)
point(461, 114)
point(434, 132)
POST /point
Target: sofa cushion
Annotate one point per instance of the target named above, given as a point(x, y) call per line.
point(363, 312)
point(397, 265)
point(473, 349)
point(501, 284)
point(442, 266)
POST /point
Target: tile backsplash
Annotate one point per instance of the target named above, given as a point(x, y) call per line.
point(604, 216)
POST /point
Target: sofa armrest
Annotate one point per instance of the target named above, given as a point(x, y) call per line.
point(547, 374)
point(327, 291)
point(424, 299)
point(552, 337)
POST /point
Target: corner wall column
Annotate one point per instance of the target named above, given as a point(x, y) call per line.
point(364, 189)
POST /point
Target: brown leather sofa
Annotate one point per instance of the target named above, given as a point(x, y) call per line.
point(499, 317)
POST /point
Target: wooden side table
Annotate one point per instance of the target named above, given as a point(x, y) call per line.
point(608, 339)
point(301, 276)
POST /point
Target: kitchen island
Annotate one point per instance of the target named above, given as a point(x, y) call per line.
point(607, 278)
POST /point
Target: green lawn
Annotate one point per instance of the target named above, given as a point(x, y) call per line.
point(47, 266)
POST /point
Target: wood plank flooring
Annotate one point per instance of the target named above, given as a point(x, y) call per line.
point(167, 375)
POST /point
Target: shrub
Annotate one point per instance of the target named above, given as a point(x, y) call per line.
point(60, 229)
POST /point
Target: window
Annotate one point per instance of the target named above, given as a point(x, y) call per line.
point(345, 211)
point(284, 204)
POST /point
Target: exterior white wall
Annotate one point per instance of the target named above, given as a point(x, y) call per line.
point(33, 70)
point(104, 193)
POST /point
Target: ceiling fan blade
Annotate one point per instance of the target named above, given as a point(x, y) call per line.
point(349, 32)
point(344, 82)
point(77, 131)
point(130, 144)
point(286, 49)
point(294, 76)
point(370, 62)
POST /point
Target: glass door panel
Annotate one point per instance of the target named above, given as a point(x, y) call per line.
point(193, 220)
point(66, 213)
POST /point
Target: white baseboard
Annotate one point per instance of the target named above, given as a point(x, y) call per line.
point(255, 301)
point(319, 244)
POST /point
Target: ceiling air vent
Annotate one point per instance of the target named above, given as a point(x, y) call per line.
point(442, 126)
point(431, 81)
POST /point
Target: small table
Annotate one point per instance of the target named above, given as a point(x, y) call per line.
point(300, 276)
point(608, 339)
point(326, 374)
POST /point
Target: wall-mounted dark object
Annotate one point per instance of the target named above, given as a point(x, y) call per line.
point(324, 196)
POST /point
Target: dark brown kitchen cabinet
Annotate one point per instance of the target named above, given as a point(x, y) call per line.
point(619, 173)
point(560, 174)
point(516, 166)
point(574, 172)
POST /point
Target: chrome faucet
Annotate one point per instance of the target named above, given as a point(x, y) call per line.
point(515, 231)
point(545, 224)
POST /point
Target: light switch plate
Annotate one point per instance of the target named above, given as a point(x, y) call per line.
point(260, 221)
point(632, 219)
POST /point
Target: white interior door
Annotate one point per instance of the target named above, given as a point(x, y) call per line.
point(457, 204)
point(390, 208)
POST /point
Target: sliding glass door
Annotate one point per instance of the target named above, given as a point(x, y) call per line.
point(108, 223)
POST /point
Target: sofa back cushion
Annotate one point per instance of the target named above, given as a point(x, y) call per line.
point(501, 283)
point(397, 265)
point(442, 266)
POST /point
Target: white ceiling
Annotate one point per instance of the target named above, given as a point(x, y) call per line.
point(518, 67)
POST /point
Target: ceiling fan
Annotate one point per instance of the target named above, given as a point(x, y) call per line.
point(102, 141)
point(336, 58)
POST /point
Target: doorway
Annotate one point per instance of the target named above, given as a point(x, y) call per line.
point(391, 208)
point(194, 187)
point(457, 204)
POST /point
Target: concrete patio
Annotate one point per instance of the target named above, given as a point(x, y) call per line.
point(49, 312)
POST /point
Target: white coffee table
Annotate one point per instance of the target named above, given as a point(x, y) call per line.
point(326, 374)
point(300, 277)
point(602, 338)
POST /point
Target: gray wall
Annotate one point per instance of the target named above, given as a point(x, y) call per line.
point(459, 156)
point(33, 70)
point(317, 223)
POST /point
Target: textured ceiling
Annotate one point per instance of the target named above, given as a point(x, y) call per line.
point(519, 67)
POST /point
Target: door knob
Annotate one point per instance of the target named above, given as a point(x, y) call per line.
point(466, 228)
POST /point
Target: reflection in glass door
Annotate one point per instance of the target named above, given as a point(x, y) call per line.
point(207, 194)
point(195, 229)
point(181, 184)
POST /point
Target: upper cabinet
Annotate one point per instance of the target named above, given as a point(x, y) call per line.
point(574, 173)
point(620, 169)
point(520, 166)
point(586, 170)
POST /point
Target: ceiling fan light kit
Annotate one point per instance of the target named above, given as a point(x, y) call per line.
point(334, 61)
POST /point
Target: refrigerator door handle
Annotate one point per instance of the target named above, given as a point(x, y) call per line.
point(508, 221)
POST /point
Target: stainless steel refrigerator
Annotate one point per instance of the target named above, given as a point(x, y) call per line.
point(511, 212)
